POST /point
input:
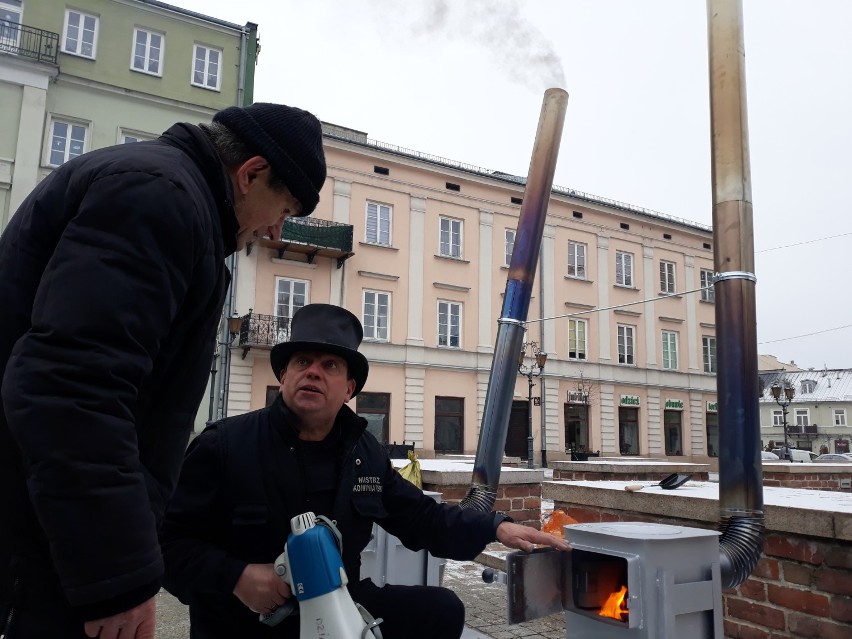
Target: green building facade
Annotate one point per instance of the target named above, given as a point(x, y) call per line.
point(93, 73)
point(82, 75)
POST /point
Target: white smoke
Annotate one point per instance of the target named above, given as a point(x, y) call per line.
point(517, 47)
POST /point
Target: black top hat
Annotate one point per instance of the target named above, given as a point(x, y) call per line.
point(326, 328)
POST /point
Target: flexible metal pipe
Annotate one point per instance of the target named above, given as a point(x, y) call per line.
point(516, 302)
point(740, 472)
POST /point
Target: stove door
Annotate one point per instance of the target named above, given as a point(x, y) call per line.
point(536, 583)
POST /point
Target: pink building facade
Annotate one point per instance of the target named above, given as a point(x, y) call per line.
point(630, 337)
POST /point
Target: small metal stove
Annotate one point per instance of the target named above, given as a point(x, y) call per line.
point(623, 581)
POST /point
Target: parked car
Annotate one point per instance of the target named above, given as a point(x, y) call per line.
point(765, 455)
point(796, 455)
point(835, 458)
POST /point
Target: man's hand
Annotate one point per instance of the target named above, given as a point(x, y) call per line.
point(260, 589)
point(526, 538)
point(136, 623)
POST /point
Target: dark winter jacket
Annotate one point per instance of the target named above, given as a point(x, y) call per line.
point(113, 280)
point(241, 483)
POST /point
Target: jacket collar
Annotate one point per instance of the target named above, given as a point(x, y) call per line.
point(347, 422)
point(193, 142)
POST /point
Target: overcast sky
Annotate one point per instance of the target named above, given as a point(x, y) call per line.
point(464, 79)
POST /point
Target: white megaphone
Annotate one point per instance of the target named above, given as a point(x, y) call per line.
point(312, 567)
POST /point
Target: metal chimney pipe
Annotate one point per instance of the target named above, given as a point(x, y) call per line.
point(740, 471)
point(516, 302)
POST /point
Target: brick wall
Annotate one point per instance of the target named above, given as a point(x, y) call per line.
point(801, 587)
point(812, 480)
point(522, 502)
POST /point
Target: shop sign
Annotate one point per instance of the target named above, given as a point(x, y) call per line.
point(576, 397)
point(712, 407)
point(629, 400)
point(674, 404)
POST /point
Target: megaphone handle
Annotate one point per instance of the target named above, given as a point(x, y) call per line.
point(280, 613)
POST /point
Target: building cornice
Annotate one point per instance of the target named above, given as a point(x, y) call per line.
point(94, 85)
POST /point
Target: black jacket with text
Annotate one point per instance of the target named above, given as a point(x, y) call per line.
point(241, 483)
point(113, 281)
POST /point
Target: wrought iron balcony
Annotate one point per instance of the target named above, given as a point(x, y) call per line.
point(29, 42)
point(262, 331)
point(798, 429)
point(313, 237)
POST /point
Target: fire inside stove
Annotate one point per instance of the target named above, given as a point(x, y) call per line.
point(614, 606)
point(599, 585)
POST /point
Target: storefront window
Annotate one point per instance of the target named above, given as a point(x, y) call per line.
point(628, 431)
point(712, 420)
point(576, 428)
point(449, 424)
point(375, 408)
point(672, 426)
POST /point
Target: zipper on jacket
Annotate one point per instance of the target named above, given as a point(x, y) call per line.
point(7, 627)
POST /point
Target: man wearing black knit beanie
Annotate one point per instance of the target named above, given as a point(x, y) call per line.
point(113, 284)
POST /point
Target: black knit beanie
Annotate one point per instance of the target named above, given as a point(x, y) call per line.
point(290, 139)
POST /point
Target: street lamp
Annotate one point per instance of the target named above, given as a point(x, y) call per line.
point(534, 369)
point(783, 395)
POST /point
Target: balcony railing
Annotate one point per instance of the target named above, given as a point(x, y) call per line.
point(313, 237)
point(798, 429)
point(262, 331)
point(29, 42)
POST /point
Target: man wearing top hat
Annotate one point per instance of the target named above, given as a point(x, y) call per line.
point(245, 477)
point(113, 281)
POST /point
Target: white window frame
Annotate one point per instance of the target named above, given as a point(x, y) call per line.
point(292, 308)
point(626, 343)
point(624, 269)
point(508, 246)
point(383, 214)
point(451, 309)
point(577, 260)
point(578, 331)
point(840, 417)
point(373, 328)
point(803, 416)
point(454, 232)
point(160, 59)
point(195, 58)
point(707, 294)
point(708, 348)
point(778, 417)
point(77, 51)
point(13, 28)
point(70, 122)
point(669, 343)
point(137, 136)
point(668, 282)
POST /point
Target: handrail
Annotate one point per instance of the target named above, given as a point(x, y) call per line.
point(29, 42)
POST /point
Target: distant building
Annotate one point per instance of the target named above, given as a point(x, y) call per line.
point(93, 73)
point(818, 414)
point(767, 363)
point(418, 246)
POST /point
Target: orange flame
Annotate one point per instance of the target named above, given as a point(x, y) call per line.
point(558, 519)
point(614, 606)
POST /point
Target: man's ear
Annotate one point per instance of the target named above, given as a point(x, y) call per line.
point(252, 169)
point(350, 388)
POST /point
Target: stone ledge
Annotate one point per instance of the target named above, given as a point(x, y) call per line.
point(806, 512)
point(440, 472)
point(628, 466)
